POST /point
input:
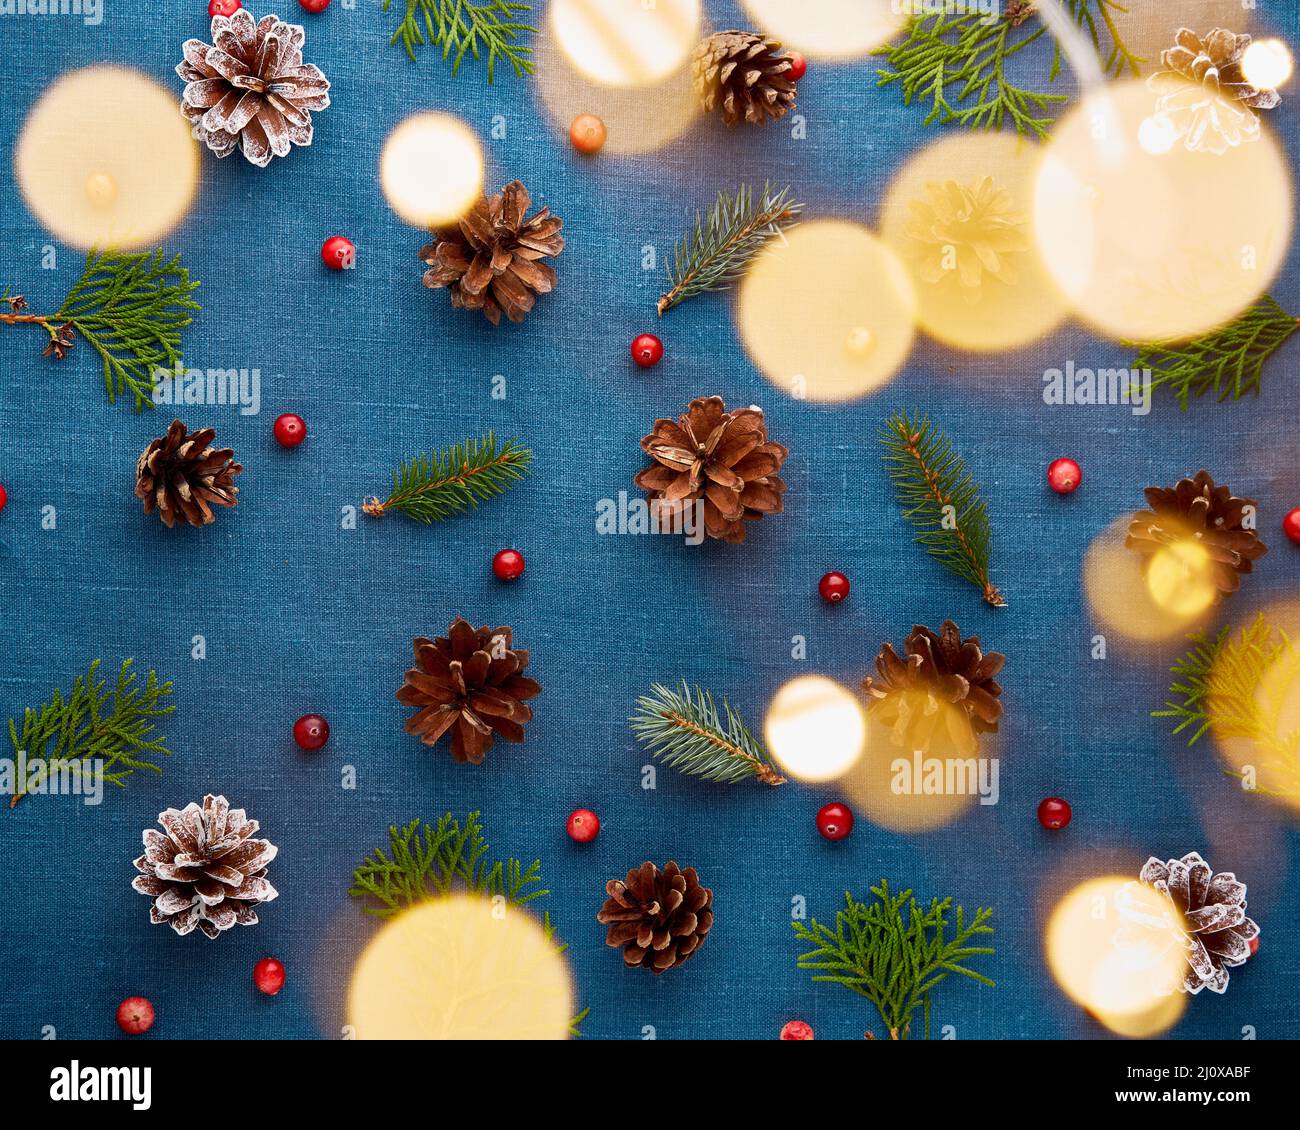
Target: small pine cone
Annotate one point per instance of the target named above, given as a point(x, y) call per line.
point(1210, 516)
point(742, 73)
point(250, 85)
point(205, 868)
point(1214, 63)
point(722, 459)
point(182, 476)
point(491, 259)
point(470, 680)
point(658, 918)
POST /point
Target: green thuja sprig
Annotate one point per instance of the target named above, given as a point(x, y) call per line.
point(94, 729)
point(129, 308)
point(688, 731)
point(432, 487)
point(894, 953)
point(941, 498)
point(463, 27)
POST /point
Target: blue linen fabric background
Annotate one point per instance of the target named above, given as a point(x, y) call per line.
point(302, 615)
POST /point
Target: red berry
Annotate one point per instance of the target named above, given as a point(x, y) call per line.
point(835, 821)
point(834, 587)
point(223, 7)
point(338, 253)
point(508, 565)
point(4, 497)
point(583, 825)
point(311, 731)
point(315, 6)
point(268, 976)
point(1254, 945)
point(647, 350)
point(135, 1015)
point(1064, 476)
point(587, 134)
point(1054, 813)
point(290, 430)
point(1290, 524)
point(797, 1030)
point(798, 66)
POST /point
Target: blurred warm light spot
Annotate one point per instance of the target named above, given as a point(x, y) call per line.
point(815, 728)
point(626, 42)
point(1122, 595)
point(1148, 29)
point(827, 311)
point(106, 159)
point(1111, 949)
point(1267, 64)
point(431, 170)
point(461, 967)
point(1147, 245)
point(1157, 134)
point(830, 29)
point(959, 215)
point(1180, 578)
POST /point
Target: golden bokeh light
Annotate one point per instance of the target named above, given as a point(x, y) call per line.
point(827, 312)
point(829, 29)
point(1149, 245)
point(959, 216)
point(1267, 64)
point(1113, 947)
point(815, 728)
point(106, 159)
point(461, 967)
point(1180, 579)
point(626, 43)
point(1147, 29)
point(431, 169)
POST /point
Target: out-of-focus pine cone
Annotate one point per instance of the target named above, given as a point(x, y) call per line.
point(183, 476)
point(492, 259)
point(1215, 62)
point(722, 459)
point(745, 75)
point(469, 682)
point(658, 918)
point(1197, 511)
point(251, 85)
point(205, 868)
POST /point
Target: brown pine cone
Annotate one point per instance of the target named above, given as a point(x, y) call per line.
point(207, 870)
point(658, 918)
point(491, 260)
point(251, 84)
point(1197, 510)
point(721, 458)
point(182, 476)
point(1215, 63)
point(742, 73)
point(469, 679)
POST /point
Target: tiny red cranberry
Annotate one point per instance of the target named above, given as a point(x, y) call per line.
point(4, 497)
point(223, 7)
point(314, 6)
point(647, 350)
point(311, 731)
point(268, 976)
point(1291, 525)
point(798, 66)
point(1064, 476)
point(797, 1030)
point(290, 430)
point(583, 825)
point(135, 1015)
point(834, 587)
point(1254, 945)
point(835, 821)
point(587, 134)
point(338, 253)
point(508, 565)
point(1054, 813)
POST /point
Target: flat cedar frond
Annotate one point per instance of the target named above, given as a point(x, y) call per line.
point(1228, 361)
point(894, 953)
point(715, 254)
point(940, 498)
point(114, 727)
point(687, 731)
point(432, 487)
point(464, 26)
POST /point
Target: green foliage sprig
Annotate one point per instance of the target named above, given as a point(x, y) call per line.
point(427, 862)
point(688, 731)
point(715, 254)
point(894, 953)
point(941, 498)
point(93, 724)
point(129, 308)
point(432, 487)
point(463, 27)
point(1228, 361)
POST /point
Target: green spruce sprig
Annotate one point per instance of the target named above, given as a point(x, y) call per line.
point(429, 488)
point(1227, 362)
point(463, 27)
point(894, 953)
point(715, 254)
point(941, 498)
point(424, 861)
point(689, 732)
point(114, 728)
point(129, 308)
